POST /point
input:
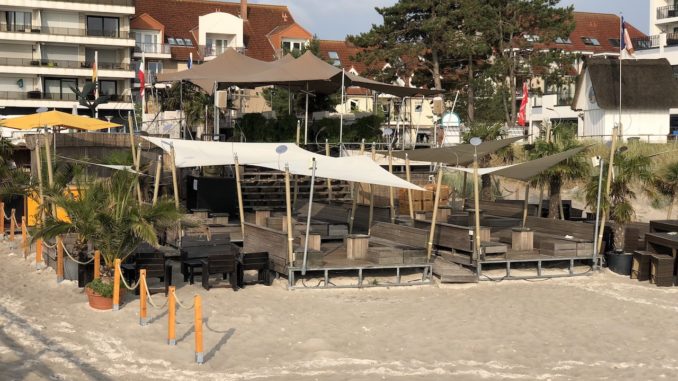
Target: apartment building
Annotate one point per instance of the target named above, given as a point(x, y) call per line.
point(48, 46)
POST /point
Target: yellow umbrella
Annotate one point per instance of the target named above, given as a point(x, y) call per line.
point(56, 119)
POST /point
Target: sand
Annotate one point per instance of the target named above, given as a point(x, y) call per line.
point(598, 327)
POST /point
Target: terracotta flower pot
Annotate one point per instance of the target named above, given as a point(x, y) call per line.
point(99, 302)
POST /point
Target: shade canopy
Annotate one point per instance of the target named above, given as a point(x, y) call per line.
point(527, 170)
point(56, 119)
point(461, 154)
point(307, 72)
point(276, 156)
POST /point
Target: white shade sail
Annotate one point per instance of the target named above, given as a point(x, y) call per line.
point(190, 153)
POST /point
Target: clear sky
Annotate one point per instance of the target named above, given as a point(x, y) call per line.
point(334, 19)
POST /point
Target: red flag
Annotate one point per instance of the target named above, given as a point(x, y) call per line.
point(142, 80)
point(522, 114)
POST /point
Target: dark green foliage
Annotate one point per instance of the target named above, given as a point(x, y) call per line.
point(256, 128)
point(102, 288)
point(195, 100)
point(86, 97)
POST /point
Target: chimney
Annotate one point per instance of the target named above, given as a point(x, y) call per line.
point(243, 10)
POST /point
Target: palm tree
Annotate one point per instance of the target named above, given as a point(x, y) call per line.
point(107, 213)
point(487, 132)
point(666, 184)
point(574, 168)
point(628, 171)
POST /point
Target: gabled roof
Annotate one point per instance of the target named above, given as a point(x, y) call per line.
point(346, 52)
point(146, 22)
point(647, 84)
point(181, 16)
point(599, 26)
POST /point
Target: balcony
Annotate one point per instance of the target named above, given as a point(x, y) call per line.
point(57, 31)
point(666, 12)
point(39, 95)
point(211, 51)
point(63, 64)
point(152, 50)
point(654, 42)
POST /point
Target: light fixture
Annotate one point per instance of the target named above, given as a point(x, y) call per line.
point(475, 141)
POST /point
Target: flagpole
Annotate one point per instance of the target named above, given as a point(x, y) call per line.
point(621, 52)
point(143, 87)
point(95, 80)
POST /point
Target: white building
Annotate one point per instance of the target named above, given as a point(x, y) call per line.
point(48, 46)
point(648, 92)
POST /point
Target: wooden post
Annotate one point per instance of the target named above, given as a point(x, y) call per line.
point(476, 194)
point(541, 197)
point(429, 244)
point(131, 134)
point(175, 183)
point(391, 196)
point(354, 206)
point(97, 264)
point(38, 252)
point(241, 208)
point(116, 285)
point(329, 181)
point(288, 213)
point(156, 185)
point(172, 318)
point(370, 215)
point(137, 167)
point(24, 237)
point(409, 191)
point(38, 167)
point(143, 308)
point(2, 218)
point(12, 227)
point(60, 260)
point(48, 155)
point(610, 169)
point(199, 352)
point(526, 203)
point(298, 134)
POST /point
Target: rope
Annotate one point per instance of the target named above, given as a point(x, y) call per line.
point(73, 259)
point(182, 305)
point(150, 299)
point(16, 223)
point(6, 218)
point(48, 245)
point(124, 282)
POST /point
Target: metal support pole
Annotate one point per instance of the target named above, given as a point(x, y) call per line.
point(476, 194)
point(391, 196)
point(308, 218)
point(429, 244)
point(409, 191)
point(596, 251)
point(306, 118)
point(241, 208)
point(288, 211)
point(610, 169)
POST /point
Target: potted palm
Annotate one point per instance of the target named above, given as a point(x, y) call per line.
point(108, 214)
point(629, 169)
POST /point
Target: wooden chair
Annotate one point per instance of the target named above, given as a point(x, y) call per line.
point(219, 262)
point(156, 267)
point(254, 261)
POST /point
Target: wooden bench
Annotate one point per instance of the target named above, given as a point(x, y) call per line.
point(454, 237)
point(271, 241)
point(196, 248)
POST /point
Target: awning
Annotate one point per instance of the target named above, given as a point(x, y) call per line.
point(190, 153)
point(56, 119)
point(461, 154)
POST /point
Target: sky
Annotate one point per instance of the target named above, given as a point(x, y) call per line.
point(334, 19)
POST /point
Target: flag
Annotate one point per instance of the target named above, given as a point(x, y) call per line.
point(142, 77)
point(95, 75)
point(625, 42)
point(522, 114)
point(190, 60)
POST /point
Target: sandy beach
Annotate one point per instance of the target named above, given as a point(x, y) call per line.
point(598, 327)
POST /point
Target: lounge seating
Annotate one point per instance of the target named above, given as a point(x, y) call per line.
point(254, 261)
point(219, 262)
point(156, 267)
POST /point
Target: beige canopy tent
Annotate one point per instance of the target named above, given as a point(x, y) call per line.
point(461, 154)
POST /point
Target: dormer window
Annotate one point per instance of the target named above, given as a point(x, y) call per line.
point(334, 58)
point(560, 40)
point(590, 41)
point(532, 38)
point(180, 42)
point(171, 41)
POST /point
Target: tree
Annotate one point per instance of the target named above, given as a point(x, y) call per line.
point(195, 102)
point(86, 97)
point(666, 184)
point(629, 170)
point(487, 132)
point(574, 168)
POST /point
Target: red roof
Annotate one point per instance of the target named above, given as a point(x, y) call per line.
point(180, 17)
point(346, 52)
point(602, 27)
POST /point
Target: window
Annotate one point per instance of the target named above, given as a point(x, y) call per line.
point(153, 68)
point(106, 87)
point(566, 40)
point(171, 41)
point(188, 42)
point(60, 88)
point(18, 21)
point(103, 26)
point(614, 42)
point(180, 41)
point(354, 105)
point(532, 38)
point(289, 46)
point(334, 58)
point(590, 41)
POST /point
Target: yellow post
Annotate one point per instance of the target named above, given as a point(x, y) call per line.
point(143, 309)
point(97, 264)
point(409, 191)
point(241, 208)
point(172, 318)
point(60, 259)
point(198, 330)
point(329, 181)
point(2, 218)
point(116, 286)
point(12, 218)
point(156, 184)
point(24, 237)
point(38, 252)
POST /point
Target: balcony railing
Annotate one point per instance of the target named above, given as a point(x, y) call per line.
point(667, 12)
point(123, 3)
point(654, 42)
point(39, 95)
point(63, 64)
point(59, 31)
point(152, 48)
point(210, 51)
